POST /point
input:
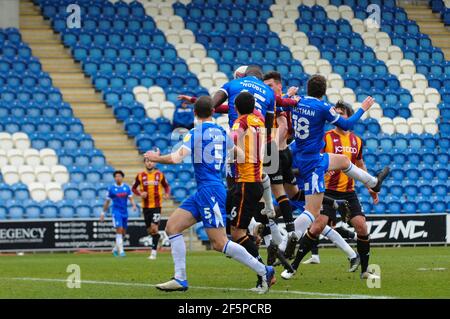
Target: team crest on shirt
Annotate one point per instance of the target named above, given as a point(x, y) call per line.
point(187, 138)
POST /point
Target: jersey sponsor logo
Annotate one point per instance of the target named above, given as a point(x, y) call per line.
point(152, 183)
point(347, 149)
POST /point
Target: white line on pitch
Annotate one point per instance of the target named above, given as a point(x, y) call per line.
point(135, 284)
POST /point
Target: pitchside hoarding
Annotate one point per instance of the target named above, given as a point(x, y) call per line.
point(71, 234)
point(75, 234)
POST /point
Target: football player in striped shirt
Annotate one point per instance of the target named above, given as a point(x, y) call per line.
point(149, 185)
point(340, 186)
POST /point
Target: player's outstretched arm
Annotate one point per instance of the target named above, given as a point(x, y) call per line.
point(347, 124)
point(173, 158)
point(219, 98)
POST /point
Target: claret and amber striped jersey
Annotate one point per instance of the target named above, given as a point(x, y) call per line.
point(153, 183)
point(248, 135)
point(349, 145)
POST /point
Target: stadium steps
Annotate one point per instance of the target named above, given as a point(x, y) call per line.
point(430, 24)
point(87, 104)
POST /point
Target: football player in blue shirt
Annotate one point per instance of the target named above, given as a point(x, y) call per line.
point(119, 194)
point(309, 118)
point(265, 103)
point(207, 145)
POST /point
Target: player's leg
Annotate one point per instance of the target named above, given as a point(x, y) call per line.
point(154, 232)
point(181, 219)
point(342, 162)
point(362, 243)
point(340, 242)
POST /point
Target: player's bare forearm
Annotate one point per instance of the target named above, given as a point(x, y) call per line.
point(219, 98)
point(106, 205)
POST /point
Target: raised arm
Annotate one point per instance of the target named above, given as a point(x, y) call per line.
point(347, 124)
point(219, 98)
point(173, 158)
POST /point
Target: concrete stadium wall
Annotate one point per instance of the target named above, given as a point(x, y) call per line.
point(9, 13)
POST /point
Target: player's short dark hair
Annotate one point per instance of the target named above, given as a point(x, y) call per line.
point(119, 172)
point(276, 76)
point(203, 107)
point(316, 86)
point(347, 108)
point(245, 103)
point(254, 70)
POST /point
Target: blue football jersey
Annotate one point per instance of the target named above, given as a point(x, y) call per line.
point(308, 119)
point(119, 196)
point(264, 95)
point(208, 144)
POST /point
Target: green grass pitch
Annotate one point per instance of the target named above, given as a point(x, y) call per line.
point(405, 273)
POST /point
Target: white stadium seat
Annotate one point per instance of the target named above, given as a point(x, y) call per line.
point(165, 9)
point(153, 112)
point(300, 39)
point(395, 53)
point(15, 157)
point(212, 90)
point(10, 174)
point(415, 125)
point(358, 25)
point(156, 94)
point(173, 36)
point(3, 158)
point(194, 64)
point(48, 157)
point(167, 109)
point(394, 67)
point(430, 126)
point(176, 23)
point(6, 141)
point(346, 12)
point(406, 81)
point(348, 95)
point(386, 125)
point(407, 66)
point(289, 25)
point(205, 79)
point(309, 3)
point(432, 95)
point(332, 12)
point(369, 39)
point(209, 65)
point(187, 36)
point(382, 53)
point(198, 51)
point(321, 3)
point(37, 192)
point(309, 66)
point(383, 39)
point(333, 95)
point(417, 110)
point(312, 53)
point(162, 22)
point(275, 24)
point(286, 38)
point(151, 8)
point(43, 174)
point(277, 11)
point(375, 112)
point(291, 12)
point(323, 67)
point(26, 174)
point(219, 79)
point(32, 157)
point(420, 81)
point(431, 110)
point(335, 81)
point(418, 95)
point(141, 94)
point(298, 52)
point(21, 141)
point(183, 50)
point(60, 174)
point(54, 192)
point(401, 126)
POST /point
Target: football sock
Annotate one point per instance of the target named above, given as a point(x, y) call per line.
point(249, 245)
point(344, 232)
point(286, 212)
point(267, 195)
point(360, 175)
point(155, 240)
point(337, 239)
point(306, 243)
point(178, 248)
point(275, 231)
point(363, 247)
point(315, 248)
point(239, 253)
point(302, 223)
point(119, 243)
